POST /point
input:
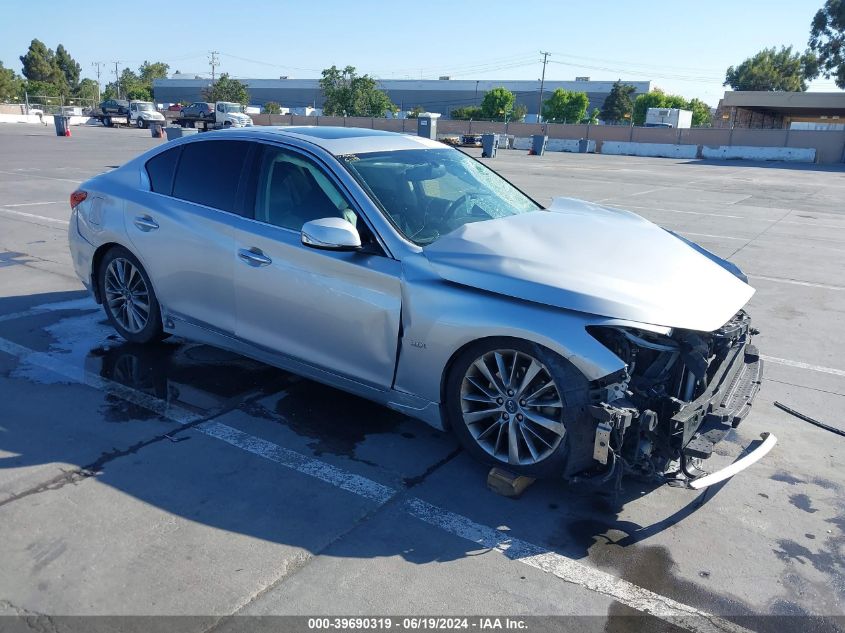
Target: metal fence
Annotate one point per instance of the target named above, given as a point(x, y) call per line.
point(47, 104)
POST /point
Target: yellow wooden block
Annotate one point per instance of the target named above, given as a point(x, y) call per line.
point(506, 483)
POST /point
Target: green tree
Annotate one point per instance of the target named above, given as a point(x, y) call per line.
point(701, 116)
point(40, 67)
point(87, 89)
point(466, 113)
point(773, 69)
point(148, 71)
point(519, 112)
point(39, 63)
point(271, 107)
point(416, 112)
point(654, 99)
point(497, 104)
point(618, 106)
point(593, 117)
point(129, 86)
point(69, 67)
point(827, 40)
point(565, 106)
point(42, 88)
point(227, 89)
point(658, 99)
point(345, 93)
point(11, 85)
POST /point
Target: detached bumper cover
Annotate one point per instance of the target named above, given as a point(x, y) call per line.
point(739, 465)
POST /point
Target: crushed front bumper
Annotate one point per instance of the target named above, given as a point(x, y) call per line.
point(723, 405)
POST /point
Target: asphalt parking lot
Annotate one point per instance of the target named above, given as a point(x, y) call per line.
point(179, 479)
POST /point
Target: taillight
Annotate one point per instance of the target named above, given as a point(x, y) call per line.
point(77, 197)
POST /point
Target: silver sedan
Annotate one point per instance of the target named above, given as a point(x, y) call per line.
point(574, 340)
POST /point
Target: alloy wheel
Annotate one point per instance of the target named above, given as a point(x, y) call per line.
point(127, 295)
point(512, 407)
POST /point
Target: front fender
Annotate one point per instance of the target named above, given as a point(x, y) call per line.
point(440, 318)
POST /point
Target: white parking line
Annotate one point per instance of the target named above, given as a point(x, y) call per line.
point(718, 237)
point(715, 215)
point(796, 282)
point(29, 175)
point(29, 204)
point(550, 562)
point(799, 365)
point(634, 596)
point(5, 209)
point(84, 303)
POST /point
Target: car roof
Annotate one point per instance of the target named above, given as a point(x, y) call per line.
point(341, 141)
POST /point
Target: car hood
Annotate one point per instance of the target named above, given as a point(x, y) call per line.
point(586, 257)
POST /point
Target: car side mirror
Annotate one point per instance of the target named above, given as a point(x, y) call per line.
point(331, 234)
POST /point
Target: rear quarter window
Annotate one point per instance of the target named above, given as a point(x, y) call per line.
point(161, 169)
point(209, 173)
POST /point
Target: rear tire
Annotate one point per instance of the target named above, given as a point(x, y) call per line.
point(128, 297)
point(532, 420)
point(107, 121)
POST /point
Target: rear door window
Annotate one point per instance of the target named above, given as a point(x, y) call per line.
point(209, 173)
point(161, 169)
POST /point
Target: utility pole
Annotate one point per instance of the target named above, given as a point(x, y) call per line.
point(214, 62)
point(117, 78)
point(542, 81)
point(97, 66)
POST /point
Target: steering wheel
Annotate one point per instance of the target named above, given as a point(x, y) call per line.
point(452, 209)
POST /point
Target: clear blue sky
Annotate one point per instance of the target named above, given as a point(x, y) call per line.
point(683, 46)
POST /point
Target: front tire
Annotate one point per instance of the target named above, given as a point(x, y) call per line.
point(515, 404)
point(140, 123)
point(128, 298)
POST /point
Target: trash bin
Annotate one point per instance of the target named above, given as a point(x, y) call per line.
point(427, 125)
point(174, 131)
point(538, 144)
point(156, 129)
point(583, 145)
point(62, 124)
point(489, 145)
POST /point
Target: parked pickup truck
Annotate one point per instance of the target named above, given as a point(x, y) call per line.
point(138, 113)
point(207, 116)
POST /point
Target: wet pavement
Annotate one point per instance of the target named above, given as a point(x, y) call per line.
point(178, 478)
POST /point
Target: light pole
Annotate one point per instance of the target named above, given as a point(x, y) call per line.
point(542, 81)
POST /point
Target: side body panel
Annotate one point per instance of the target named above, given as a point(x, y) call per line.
point(336, 310)
point(189, 256)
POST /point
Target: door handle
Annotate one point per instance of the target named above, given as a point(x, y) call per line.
point(146, 223)
point(254, 257)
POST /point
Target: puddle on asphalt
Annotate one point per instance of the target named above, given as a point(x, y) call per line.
point(338, 421)
point(200, 378)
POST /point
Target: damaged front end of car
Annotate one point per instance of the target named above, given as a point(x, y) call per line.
point(678, 396)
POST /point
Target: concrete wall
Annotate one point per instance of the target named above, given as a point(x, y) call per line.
point(789, 154)
point(47, 119)
point(659, 150)
point(568, 145)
